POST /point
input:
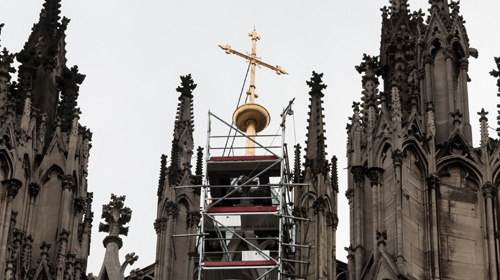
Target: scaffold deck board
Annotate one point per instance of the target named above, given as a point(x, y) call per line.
point(235, 209)
point(238, 263)
point(242, 158)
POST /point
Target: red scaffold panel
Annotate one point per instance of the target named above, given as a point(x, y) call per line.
point(243, 158)
point(238, 263)
point(242, 209)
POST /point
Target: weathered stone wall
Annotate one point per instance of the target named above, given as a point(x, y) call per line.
point(414, 229)
point(461, 227)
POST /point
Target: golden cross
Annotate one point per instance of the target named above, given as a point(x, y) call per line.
point(253, 62)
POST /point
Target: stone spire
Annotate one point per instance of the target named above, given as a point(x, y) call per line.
point(315, 149)
point(69, 84)
point(163, 174)
point(42, 59)
point(371, 68)
point(182, 144)
point(318, 201)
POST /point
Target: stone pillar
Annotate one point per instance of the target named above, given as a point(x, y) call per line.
point(351, 262)
point(159, 226)
point(433, 184)
point(464, 98)
point(171, 211)
point(66, 201)
point(194, 220)
point(12, 186)
point(374, 174)
point(358, 172)
point(448, 54)
point(488, 192)
point(34, 190)
point(397, 158)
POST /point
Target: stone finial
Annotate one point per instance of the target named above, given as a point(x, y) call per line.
point(69, 84)
point(199, 166)
point(297, 171)
point(187, 86)
point(484, 127)
point(316, 84)
point(116, 216)
point(163, 174)
point(335, 176)
point(381, 237)
point(6, 59)
point(396, 103)
point(130, 259)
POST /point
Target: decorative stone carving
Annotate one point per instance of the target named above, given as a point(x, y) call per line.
point(34, 189)
point(27, 254)
point(464, 64)
point(130, 259)
point(448, 53)
point(160, 224)
point(488, 190)
point(67, 182)
point(319, 205)
point(349, 194)
point(79, 204)
point(397, 157)
point(433, 181)
point(13, 186)
point(457, 118)
point(136, 274)
point(193, 218)
point(300, 212)
point(116, 216)
point(431, 126)
point(358, 172)
point(332, 220)
point(381, 237)
point(374, 174)
point(171, 209)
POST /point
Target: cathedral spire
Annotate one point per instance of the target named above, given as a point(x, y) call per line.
point(43, 59)
point(315, 149)
point(182, 144)
point(50, 13)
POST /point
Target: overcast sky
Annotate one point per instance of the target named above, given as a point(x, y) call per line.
point(133, 53)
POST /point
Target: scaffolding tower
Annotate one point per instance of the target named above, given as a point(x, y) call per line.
point(247, 227)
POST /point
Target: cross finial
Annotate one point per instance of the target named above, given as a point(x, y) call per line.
point(316, 84)
point(254, 35)
point(253, 62)
point(187, 86)
point(482, 115)
point(116, 216)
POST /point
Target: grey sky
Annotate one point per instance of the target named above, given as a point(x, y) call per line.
point(133, 53)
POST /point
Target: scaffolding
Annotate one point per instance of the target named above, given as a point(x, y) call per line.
point(247, 227)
